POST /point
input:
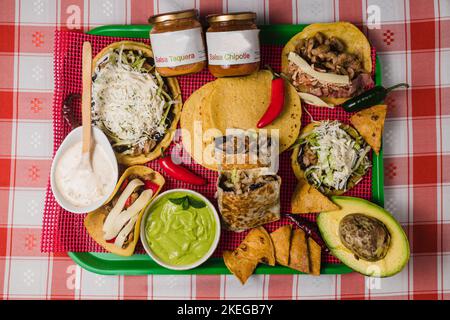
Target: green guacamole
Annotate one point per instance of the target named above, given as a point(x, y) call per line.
point(180, 234)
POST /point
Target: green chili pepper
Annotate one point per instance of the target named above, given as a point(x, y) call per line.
point(369, 98)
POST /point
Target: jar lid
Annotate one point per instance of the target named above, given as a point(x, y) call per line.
point(231, 16)
point(175, 15)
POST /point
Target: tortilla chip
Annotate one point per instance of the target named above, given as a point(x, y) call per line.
point(370, 123)
point(241, 267)
point(299, 259)
point(314, 257)
point(307, 199)
point(281, 239)
point(258, 246)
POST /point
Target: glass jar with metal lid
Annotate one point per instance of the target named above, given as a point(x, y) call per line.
point(177, 42)
point(233, 44)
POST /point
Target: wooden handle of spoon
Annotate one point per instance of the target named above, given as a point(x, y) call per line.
point(86, 97)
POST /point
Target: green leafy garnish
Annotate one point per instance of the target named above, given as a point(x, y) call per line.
point(188, 201)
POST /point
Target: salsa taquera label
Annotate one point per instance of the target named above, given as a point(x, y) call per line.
point(172, 49)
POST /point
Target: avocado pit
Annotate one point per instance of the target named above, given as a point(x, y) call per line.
point(367, 237)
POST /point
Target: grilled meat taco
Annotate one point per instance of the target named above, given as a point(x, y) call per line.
point(132, 104)
point(328, 62)
point(331, 156)
point(115, 226)
point(248, 198)
point(244, 150)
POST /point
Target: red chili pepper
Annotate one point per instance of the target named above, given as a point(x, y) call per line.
point(111, 240)
point(128, 202)
point(151, 185)
point(276, 103)
point(180, 173)
point(124, 185)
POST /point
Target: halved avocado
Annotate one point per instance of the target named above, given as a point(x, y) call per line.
point(365, 237)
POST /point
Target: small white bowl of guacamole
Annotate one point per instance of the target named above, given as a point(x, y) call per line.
point(180, 229)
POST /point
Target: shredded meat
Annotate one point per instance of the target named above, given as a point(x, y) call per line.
point(308, 156)
point(244, 182)
point(328, 55)
point(320, 89)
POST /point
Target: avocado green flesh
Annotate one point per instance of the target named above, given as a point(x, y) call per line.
point(398, 253)
point(179, 236)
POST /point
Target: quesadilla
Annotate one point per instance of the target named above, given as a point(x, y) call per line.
point(248, 198)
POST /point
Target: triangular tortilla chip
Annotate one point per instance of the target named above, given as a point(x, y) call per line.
point(281, 239)
point(314, 257)
point(370, 123)
point(242, 268)
point(307, 199)
point(258, 246)
point(299, 259)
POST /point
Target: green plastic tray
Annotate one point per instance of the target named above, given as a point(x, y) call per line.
point(141, 264)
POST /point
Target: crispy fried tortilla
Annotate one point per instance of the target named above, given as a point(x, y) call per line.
point(237, 103)
point(307, 199)
point(370, 124)
point(281, 239)
point(354, 40)
point(308, 163)
point(248, 198)
point(257, 246)
point(241, 267)
point(299, 254)
point(94, 220)
point(314, 257)
point(125, 153)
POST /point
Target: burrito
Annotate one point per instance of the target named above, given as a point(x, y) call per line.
point(248, 198)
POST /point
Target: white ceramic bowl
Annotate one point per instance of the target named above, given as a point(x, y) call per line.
point(211, 250)
point(72, 138)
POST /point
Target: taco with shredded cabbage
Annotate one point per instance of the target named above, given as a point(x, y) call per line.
point(132, 104)
point(330, 156)
point(328, 63)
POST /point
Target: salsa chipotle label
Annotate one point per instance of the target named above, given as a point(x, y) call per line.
point(172, 49)
point(233, 47)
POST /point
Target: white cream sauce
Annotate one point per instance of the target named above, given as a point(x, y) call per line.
point(83, 185)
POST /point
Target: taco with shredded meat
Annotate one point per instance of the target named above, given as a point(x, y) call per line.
point(328, 63)
point(132, 104)
point(330, 156)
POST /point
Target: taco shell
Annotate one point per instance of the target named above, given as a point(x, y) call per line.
point(307, 199)
point(94, 220)
point(356, 43)
point(241, 267)
point(174, 88)
point(370, 124)
point(298, 172)
point(314, 257)
point(299, 259)
point(281, 239)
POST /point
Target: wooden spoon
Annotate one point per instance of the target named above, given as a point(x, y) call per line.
point(86, 99)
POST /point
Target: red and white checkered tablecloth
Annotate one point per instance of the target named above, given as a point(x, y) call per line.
point(413, 47)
